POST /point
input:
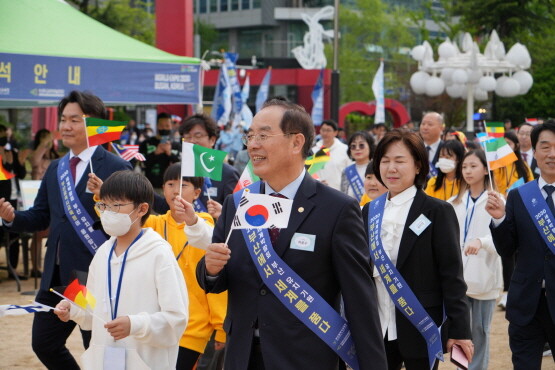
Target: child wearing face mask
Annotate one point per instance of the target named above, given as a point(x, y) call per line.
point(447, 182)
point(142, 302)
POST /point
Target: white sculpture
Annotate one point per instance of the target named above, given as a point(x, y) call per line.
point(311, 54)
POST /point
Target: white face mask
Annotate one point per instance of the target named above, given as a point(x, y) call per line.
point(446, 165)
point(116, 224)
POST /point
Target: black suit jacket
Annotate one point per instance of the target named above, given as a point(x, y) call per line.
point(339, 265)
point(431, 265)
point(48, 212)
point(534, 262)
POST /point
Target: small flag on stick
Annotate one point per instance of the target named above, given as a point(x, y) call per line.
point(197, 160)
point(247, 177)
point(14, 309)
point(76, 293)
point(128, 152)
point(317, 161)
point(495, 129)
point(499, 154)
point(100, 131)
point(260, 211)
point(4, 174)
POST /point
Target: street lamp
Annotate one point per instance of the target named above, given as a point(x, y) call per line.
point(469, 74)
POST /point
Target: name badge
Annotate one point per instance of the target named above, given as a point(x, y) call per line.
point(114, 358)
point(420, 224)
point(303, 242)
point(213, 192)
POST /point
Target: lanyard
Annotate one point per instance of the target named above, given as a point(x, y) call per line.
point(114, 310)
point(166, 239)
point(467, 220)
point(445, 189)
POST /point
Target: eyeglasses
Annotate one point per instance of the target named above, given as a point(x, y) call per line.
point(196, 135)
point(101, 207)
point(260, 138)
point(360, 146)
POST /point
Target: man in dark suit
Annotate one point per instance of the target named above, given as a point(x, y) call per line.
point(531, 298)
point(65, 251)
point(430, 130)
point(262, 332)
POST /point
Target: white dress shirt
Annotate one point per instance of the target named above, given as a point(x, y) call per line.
point(395, 216)
point(433, 150)
point(85, 157)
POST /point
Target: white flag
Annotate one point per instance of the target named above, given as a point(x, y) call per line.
point(260, 211)
point(14, 309)
point(377, 89)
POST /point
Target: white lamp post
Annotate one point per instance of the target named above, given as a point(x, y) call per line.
point(468, 74)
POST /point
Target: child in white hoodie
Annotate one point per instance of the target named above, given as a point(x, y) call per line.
point(142, 303)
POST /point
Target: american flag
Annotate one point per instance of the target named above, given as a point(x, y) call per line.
point(128, 152)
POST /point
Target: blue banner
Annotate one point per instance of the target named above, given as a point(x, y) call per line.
point(318, 100)
point(355, 181)
point(399, 291)
point(295, 294)
point(37, 78)
point(229, 60)
point(539, 212)
point(263, 90)
point(221, 107)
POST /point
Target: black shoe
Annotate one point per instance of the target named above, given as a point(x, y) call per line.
point(35, 273)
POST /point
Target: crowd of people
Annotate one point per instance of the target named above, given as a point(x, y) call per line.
point(395, 252)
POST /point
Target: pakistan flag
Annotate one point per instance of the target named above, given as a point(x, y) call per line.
point(198, 161)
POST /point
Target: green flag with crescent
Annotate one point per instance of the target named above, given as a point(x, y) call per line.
point(198, 161)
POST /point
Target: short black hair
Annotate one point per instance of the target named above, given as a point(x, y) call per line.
point(365, 136)
point(173, 173)
point(416, 147)
point(330, 123)
point(163, 115)
point(129, 185)
point(369, 169)
point(548, 125)
point(295, 119)
point(90, 104)
point(200, 119)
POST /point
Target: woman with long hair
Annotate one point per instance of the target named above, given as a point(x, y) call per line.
point(482, 264)
point(447, 182)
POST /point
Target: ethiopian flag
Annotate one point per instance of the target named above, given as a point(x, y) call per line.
point(4, 174)
point(100, 131)
point(499, 154)
point(495, 129)
point(197, 160)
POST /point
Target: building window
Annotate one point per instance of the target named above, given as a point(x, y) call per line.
point(224, 6)
point(213, 6)
point(245, 4)
point(203, 6)
point(234, 4)
point(255, 4)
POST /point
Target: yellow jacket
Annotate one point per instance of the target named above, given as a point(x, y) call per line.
point(504, 177)
point(364, 199)
point(448, 190)
point(206, 311)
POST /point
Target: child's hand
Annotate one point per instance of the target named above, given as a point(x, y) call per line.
point(119, 328)
point(62, 310)
point(214, 208)
point(94, 184)
point(218, 345)
point(184, 211)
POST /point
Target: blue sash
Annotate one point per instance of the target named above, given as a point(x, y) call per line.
point(295, 294)
point(399, 291)
point(355, 181)
point(539, 212)
point(197, 203)
point(78, 217)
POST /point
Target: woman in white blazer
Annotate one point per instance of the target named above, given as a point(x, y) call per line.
point(482, 264)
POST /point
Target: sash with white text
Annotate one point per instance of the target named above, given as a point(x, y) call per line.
point(355, 181)
point(197, 203)
point(539, 212)
point(399, 291)
point(295, 294)
point(78, 217)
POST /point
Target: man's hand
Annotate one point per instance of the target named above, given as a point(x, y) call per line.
point(119, 328)
point(495, 205)
point(214, 208)
point(472, 247)
point(184, 211)
point(164, 148)
point(218, 345)
point(216, 258)
point(7, 212)
point(466, 345)
point(62, 310)
point(94, 183)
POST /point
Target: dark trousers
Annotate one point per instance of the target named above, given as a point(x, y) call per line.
point(50, 335)
point(186, 359)
point(256, 362)
point(395, 360)
point(527, 341)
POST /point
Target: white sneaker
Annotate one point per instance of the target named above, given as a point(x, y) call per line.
point(503, 301)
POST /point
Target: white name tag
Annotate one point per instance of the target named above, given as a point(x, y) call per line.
point(114, 358)
point(303, 242)
point(420, 224)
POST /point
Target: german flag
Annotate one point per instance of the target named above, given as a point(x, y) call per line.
point(4, 174)
point(100, 131)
